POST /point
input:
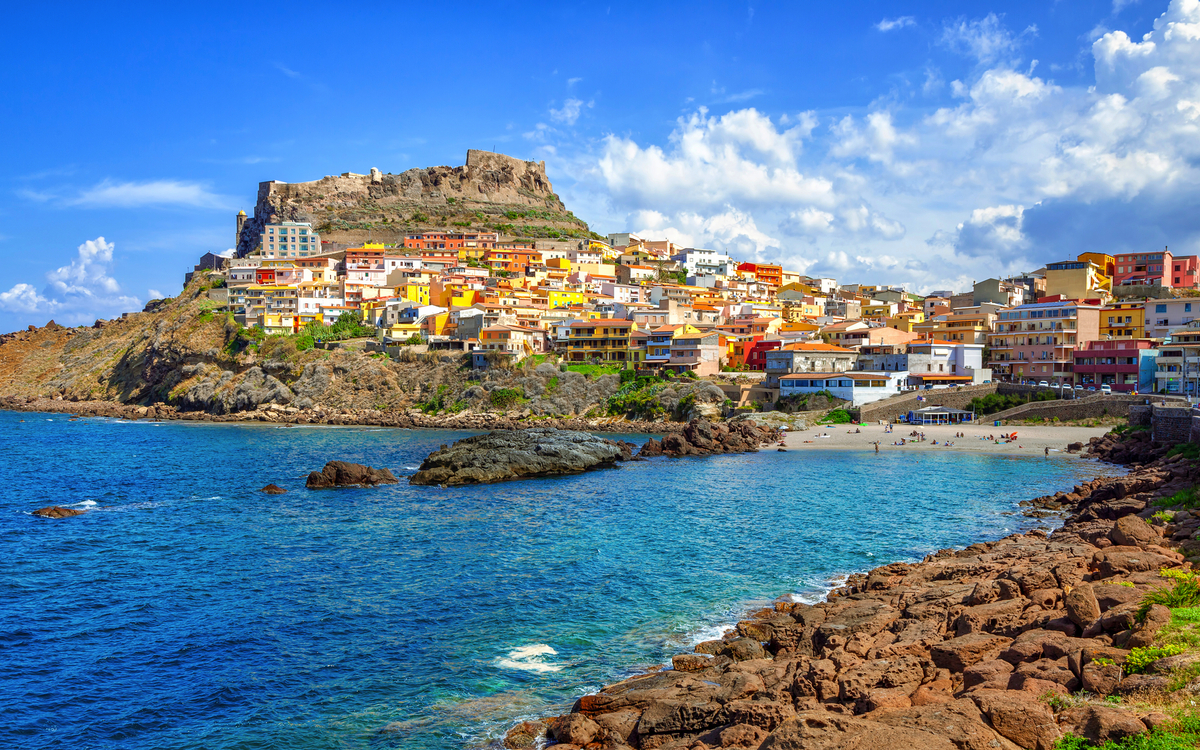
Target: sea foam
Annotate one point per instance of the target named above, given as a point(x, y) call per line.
point(530, 659)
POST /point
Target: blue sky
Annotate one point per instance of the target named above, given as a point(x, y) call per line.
point(877, 142)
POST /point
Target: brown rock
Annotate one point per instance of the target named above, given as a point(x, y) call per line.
point(674, 716)
point(956, 720)
point(744, 649)
point(998, 617)
point(620, 725)
point(1131, 531)
point(343, 474)
point(1081, 605)
point(573, 729)
point(1100, 679)
point(1020, 717)
point(57, 511)
point(1143, 635)
point(984, 671)
point(933, 693)
point(883, 698)
point(742, 735)
point(959, 653)
point(765, 714)
point(1100, 724)
point(274, 489)
point(1125, 560)
point(824, 730)
point(690, 662)
point(524, 736)
point(1143, 684)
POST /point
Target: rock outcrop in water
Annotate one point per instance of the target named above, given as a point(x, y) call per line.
point(957, 652)
point(701, 438)
point(342, 474)
point(57, 511)
point(499, 456)
point(274, 489)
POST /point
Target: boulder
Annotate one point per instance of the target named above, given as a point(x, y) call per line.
point(1081, 605)
point(573, 729)
point(524, 736)
point(57, 511)
point(690, 662)
point(1144, 632)
point(1123, 560)
point(1100, 724)
point(823, 730)
point(516, 454)
point(274, 489)
point(1019, 717)
point(959, 653)
point(956, 720)
point(1131, 531)
point(343, 474)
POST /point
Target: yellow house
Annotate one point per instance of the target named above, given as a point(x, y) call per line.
point(799, 326)
point(563, 298)
point(879, 310)
point(471, 253)
point(418, 293)
point(1077, 279)
point(561, 264)
point(906, 320)
point(1103, 261)
point(401, 331)
point(1123, 320)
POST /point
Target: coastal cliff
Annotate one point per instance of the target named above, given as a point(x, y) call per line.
point(491, 192)
point(184, 358)
point(1008, 644)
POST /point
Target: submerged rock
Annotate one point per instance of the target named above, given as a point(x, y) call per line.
point(57, 511)
point(342, 474)
point(274, 489)
point(498, 456)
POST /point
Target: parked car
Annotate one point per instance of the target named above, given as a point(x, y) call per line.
point(1091, 387)
point(1079, 387)
point(1042, 384)
point(1106, 389)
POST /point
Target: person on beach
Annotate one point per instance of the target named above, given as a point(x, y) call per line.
point(1047, 453)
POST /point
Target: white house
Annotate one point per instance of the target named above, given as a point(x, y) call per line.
point(857, 387)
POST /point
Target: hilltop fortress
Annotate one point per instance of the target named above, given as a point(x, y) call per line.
point(491, 192)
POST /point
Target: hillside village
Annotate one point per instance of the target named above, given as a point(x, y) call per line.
point(1096, 322)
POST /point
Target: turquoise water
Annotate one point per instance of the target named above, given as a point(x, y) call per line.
point(189, 610)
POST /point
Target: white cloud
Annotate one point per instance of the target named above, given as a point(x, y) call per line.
point(24, 298)
point(891, 24)
point(1015, 170)
point(986, 39)
point(155, 294)
point(569, 112)
point(109, 194)
point(78, 292)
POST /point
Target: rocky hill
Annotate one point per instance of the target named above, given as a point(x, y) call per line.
point(186, 358)
point(492, 192)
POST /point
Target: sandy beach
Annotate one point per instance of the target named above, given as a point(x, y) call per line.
point(1031, 441)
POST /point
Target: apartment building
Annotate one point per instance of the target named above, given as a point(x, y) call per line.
point(1037, 341)
point(289, 239)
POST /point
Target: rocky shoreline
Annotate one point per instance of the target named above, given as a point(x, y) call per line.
point(273, 413)
point(968, 649)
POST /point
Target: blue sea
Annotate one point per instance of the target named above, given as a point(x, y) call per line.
point(187, 609)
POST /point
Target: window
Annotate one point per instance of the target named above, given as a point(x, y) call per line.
point(1187, 306)
point(1160, 309)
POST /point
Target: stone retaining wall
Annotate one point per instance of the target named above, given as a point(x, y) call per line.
point(1092, 407)
point(1171, 424)
point(1140, 414)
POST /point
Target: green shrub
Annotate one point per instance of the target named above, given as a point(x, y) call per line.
point(1185, 593)
point(505, 398)
point(1187, 499)
point(837, 416)
point(1141, 657)
point(1187, 450)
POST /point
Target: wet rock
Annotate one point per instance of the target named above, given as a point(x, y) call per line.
point(524, 736)
point(274, 489)
point(57, 511)
point(343, 474)
point(499, 456)
point(573, 729)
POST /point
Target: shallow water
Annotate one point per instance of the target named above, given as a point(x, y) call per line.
point(187, 609)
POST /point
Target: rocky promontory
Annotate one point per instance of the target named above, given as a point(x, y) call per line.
point(1002, 645)
point(499, 456)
